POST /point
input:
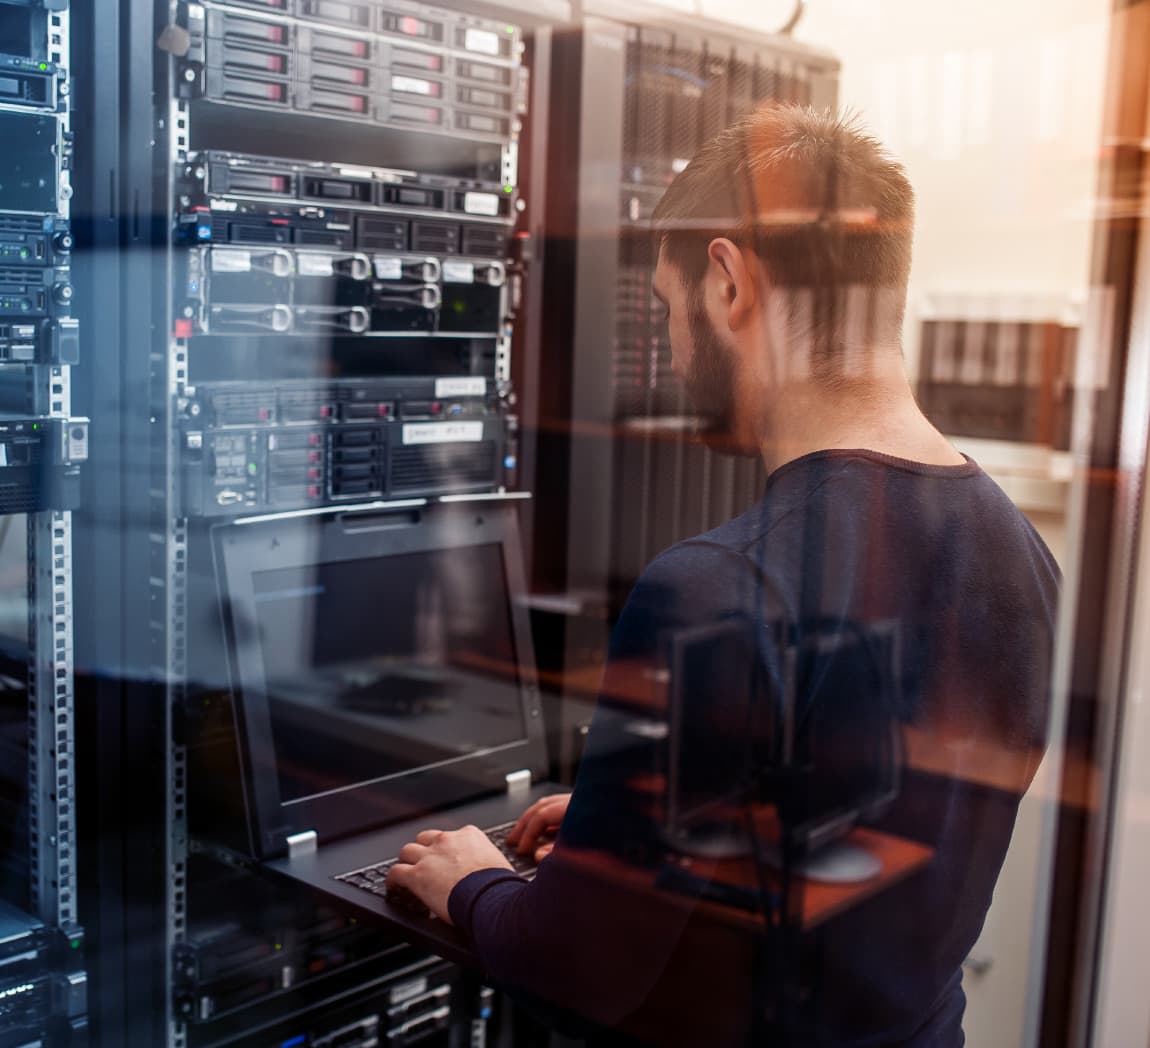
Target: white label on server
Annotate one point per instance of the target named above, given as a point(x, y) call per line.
point(458, 272)
point(460, 387)
point(442, 432)
point(405, 991)
point(481, 203)
point(411, 84)
point(356, 172)
point(314, 265)
point(388, 268)
point(225, 260)
point(481, 40)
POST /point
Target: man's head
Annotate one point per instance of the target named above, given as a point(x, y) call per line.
point(783, 255)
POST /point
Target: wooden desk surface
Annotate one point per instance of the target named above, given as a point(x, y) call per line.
point(820, 901)
point(939, 750)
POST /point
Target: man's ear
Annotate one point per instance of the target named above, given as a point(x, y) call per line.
point(733, 292)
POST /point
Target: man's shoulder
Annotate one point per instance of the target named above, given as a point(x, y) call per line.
point(703, 576)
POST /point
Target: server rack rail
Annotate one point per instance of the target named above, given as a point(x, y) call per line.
point(39, 479)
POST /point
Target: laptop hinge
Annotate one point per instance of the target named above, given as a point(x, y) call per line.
point(300, 844)
point(518, 781)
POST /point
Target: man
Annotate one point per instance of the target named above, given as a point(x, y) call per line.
point(784, 254)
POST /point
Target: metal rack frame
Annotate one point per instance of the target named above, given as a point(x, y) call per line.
point(51, 689)
point(168, 533)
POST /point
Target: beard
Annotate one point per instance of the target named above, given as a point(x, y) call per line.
point(710, 384)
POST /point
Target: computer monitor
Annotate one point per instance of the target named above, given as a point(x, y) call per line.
point(381, 664)
point(721, 730)
point(806, 720)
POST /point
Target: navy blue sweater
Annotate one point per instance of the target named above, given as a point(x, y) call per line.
point(842, 537)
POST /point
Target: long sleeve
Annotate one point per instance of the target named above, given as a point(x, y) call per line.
point(574, 937)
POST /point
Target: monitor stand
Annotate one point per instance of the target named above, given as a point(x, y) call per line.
point(711, 840)
point(840, 863)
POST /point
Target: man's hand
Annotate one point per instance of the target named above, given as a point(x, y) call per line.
point(543, 817)
point(437, 860)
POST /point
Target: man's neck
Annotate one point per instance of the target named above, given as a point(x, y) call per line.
point(879, 416)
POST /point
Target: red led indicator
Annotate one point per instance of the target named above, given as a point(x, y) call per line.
point(313, 492)
point(313, 474)
point(276, 34)
point(411, 26)
point(313, 456)
point(313, 439)
point(279, 183)
point(359, 49)
point(358, 104)
point(183, 328)
point(325, 412)
point(264, 414)
point(382, 410)
point(279, 221)
point(275, 63)
point(436, 408)
point(359, 76)
point(275, 92)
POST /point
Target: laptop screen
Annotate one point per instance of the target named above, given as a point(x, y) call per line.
point(381, 664)
point(374, 668)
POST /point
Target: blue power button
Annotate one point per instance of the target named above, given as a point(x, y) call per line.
point(510, 462)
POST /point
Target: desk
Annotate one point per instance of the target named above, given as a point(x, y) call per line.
point(820, 902)
point(941, 750)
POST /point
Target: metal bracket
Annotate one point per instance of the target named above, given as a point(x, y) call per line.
point(301, 844)
point(518, 781)
point(50, 718)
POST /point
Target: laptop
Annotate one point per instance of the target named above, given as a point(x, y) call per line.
point(384, 681)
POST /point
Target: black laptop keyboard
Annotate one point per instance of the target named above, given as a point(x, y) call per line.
point(374, 878)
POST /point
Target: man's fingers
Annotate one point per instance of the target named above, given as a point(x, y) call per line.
point(556, 805)
point(537, 825)
point(521, 822)
point(542, 816)
point(428, 837)
point(543, 851)
point(400, 875)
point(412, 853)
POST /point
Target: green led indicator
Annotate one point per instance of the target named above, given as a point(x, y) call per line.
point(508, 189)
point(511, 29)
point(75, 944)
point(35, 425)
point(43, 67)
point(252, 468)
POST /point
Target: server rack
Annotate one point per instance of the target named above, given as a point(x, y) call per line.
point(239, 246)
point(230, 279)
point(42, 446)
point(642, 91)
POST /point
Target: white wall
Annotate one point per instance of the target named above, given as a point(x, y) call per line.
point(996, 110)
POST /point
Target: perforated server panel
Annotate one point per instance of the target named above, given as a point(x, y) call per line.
point(637, 102)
